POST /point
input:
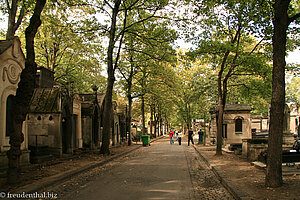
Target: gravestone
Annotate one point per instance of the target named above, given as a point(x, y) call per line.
point(288, 138)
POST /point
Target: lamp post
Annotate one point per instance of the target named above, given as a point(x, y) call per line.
point(95, 126)
point(95, 89)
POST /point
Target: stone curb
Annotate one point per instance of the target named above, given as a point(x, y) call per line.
point(234, 190)
point(52, 180)
point(259, 165)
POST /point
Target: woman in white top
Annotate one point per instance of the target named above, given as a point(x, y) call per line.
point(179, 136)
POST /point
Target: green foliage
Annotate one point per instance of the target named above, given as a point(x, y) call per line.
point(69, 45)
point(72, 34)
point(144, 64)
point(233, 39)
point(67, 42)
point(293, 91)
point(195, 88)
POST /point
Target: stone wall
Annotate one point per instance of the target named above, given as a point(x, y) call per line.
point(45, 130)
point(252, 148)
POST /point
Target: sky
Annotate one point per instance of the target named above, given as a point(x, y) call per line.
point(293, 57)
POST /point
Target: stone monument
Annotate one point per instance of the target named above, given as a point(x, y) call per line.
point(288, 138)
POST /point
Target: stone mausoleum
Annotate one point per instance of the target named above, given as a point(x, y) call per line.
point(53, 124)
point(12, 62)
point(236, 123)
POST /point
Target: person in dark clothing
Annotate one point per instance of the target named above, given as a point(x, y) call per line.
point(200, 136)
point(190, 137)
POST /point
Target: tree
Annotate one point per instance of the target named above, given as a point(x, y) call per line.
point(196, 88)
point(144, 10)
point(148, 42)
point(24, 91)
point(252, 89)
point(12, 10)
point(111, 78)
point(293, 91)
point(228, 39)
point(128, 77)
point(281, 22)
point(186, 91)
point(69, 44)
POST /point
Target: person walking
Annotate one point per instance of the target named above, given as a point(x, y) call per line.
point(179, 136)
point(171, 134)
point(190, 137)
point(200, 136)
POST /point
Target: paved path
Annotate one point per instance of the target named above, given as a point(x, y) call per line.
point(160, 171)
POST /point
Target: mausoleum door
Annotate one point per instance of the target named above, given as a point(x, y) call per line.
point(224, 134)
point(9, 115)
point(117, 130)
point(67, 131)
point(74, 130)
point(95, 129)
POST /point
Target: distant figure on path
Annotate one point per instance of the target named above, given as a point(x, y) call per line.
point(179, 136)
point(200, 136)
point(190, 137)
point(171, 134)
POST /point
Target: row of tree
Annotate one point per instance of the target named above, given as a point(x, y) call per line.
point(234, 43)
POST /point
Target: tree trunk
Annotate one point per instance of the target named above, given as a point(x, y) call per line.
point(274, 159)
point(155, 125)
point(13, 25)
point(143, 116)
point(110, 83)
point(151, 119)
point(23, 96)
point(155, 121)
point(127, 125)
point(220, 114)
point(222, 102)
point(160, 124)
point(113, 136)
point(188, 117)
point(129, 97)
point(129, 119)
point(220, 127)
point(166, 124)
point(204, 135)
point(107, 114)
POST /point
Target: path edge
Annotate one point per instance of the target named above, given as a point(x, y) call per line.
point(232, 188)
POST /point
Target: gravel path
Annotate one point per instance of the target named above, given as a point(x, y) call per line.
point(205, 184)
point(161, 171)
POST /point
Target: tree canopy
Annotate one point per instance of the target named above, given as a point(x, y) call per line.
point(127, 48)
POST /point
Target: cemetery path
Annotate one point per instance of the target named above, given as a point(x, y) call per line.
point(35, 175)
point(242, 178)
point(160, 171)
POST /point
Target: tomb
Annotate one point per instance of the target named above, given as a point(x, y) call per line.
point(236, 123)
point(53, 123)
point(12, 62)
